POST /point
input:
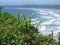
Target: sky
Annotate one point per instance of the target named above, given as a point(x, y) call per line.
point(29, 2)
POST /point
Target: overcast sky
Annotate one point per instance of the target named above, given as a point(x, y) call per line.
point(32, 2)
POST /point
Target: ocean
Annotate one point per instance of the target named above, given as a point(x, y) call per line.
point(50, 16)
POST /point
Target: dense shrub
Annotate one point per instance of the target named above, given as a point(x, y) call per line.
point(20, 31)
point(15, 31)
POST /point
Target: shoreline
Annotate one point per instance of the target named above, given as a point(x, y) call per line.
point(33, 8)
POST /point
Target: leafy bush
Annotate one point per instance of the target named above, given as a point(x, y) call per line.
point(20, 31)
point(15, 31)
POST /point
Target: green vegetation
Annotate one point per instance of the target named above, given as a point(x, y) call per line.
point(1, 7)
point(20, 31)
point(59, 39)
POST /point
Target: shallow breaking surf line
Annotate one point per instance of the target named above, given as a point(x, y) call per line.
point(52, 18)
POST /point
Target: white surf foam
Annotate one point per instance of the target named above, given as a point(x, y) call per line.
point(53, 18)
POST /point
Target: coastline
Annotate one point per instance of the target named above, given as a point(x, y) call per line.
point(53, 9)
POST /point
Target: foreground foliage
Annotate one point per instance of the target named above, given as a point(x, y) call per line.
point(20, 31)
